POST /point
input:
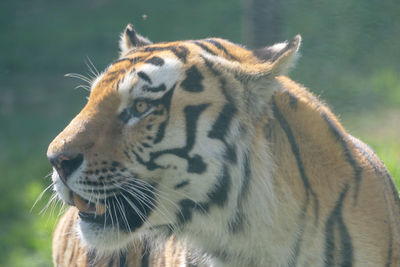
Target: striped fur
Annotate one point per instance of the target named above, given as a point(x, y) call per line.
point(205, 149)
point(69, 251)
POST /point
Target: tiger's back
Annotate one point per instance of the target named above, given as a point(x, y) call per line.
point(359, 223)
point(220, 151)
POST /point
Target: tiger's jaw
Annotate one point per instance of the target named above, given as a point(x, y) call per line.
point(106, 223)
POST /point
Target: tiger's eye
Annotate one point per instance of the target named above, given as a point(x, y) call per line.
point(141, 106)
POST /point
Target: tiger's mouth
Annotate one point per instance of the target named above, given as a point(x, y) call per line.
point(86, 207)
point(121, 210)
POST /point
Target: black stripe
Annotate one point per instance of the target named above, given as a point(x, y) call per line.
point(236, 224)
point(127, 155)
point(378, 166)
point(230, 153)
point(131, 60)
point(380, 171)
point(145, 260)
point(144, 76)
point(300, 232)
point(181, 184)
point(90, 257)
point(221, 47)
point(244, 189)
point(166, 102)
point(122, 60)
point(157, 61)
point(156, 89)
point(145, 145)
point(211, 67)
point(193, 80)
point(346, 247)
point(192, 115)
point(217, 196)
point(125, 115)
point(293, 100)
point(216, 72)
point(184, 215)
point(222, 123)
point(390, 247)
point(195, 163)
point(111, 262)
point(205, 48)
point(102, 191)
point(296, 152)
point(180, 52)
point(229, 110)
point(160, 132)
point(220, 192)
point(122, 259)
point(343, 139)
point(150, 165)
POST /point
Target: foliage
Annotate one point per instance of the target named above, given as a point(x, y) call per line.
point(350, 57)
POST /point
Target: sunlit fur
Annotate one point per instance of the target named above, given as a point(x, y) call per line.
point(70, 251)
point(232, 159)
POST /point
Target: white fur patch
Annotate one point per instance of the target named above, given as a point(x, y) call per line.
point(104, 239)
point(132, 86)
point(278, 47)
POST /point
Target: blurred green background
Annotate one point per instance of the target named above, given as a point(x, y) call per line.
point(350, 57)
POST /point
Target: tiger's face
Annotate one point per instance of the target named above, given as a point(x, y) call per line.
point(156, 138)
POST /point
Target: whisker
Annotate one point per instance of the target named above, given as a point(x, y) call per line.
point(79, 77)
point(137, 194)
point(107, 207)
point(41, 195)
point(85, 87)
point(162, 195)
point(122, 210)
point(92, 67)
point(186, 196)
point(51, 201)
point(117, 223)
point(133, 206)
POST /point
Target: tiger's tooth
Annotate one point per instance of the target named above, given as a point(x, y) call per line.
point(100, 209)
point(80, 203)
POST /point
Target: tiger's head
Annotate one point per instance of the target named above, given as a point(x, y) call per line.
point(161, 133)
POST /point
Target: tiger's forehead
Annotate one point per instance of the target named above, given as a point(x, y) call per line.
point(152, 70)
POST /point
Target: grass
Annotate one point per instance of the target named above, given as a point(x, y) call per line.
point(380, 130)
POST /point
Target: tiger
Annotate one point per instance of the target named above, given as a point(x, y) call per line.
point(207, 149)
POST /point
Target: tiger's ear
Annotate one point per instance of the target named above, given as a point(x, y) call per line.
point(274, 61)
point(131, 40)
point(281, 56)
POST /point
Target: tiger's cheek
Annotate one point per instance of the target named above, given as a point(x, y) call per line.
point(141, 140)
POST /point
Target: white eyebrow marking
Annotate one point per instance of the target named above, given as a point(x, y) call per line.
point(167, 74)
point(133, 86)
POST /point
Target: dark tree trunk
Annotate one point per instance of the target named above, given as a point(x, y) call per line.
point(262, 22)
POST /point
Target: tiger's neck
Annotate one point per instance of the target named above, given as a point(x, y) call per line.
point(272, 182)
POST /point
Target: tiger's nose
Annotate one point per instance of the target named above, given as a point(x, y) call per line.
point(66, 164)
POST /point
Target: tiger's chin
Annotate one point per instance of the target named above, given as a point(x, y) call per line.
point(108, 239)
point(103, 239)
